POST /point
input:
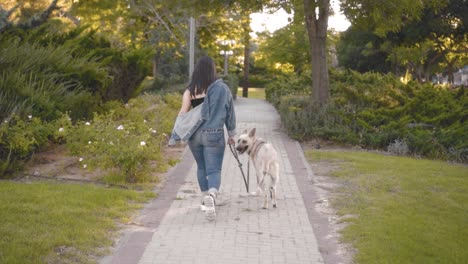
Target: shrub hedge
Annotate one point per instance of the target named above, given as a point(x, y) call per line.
point(121, 69)
point(46, 81)
point(21, 137)
point(124, 137)
point(127, 137)
point(49, 78)
point(379, 112)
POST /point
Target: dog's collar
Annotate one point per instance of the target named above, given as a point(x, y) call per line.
point(256, 146)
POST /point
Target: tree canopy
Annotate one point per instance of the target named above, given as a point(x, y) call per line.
point(433, 40)
point(419, 37)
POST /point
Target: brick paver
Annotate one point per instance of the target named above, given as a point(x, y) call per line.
point(243, 232)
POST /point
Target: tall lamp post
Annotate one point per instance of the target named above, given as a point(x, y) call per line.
point(191, 46)
point(226, 52)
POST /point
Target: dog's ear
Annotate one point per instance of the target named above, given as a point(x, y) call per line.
point(252, 132)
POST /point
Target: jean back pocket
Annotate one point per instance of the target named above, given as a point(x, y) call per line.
point(213, 137)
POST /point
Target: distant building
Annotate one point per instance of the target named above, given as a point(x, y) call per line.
point(460, 78)
point(439, 78)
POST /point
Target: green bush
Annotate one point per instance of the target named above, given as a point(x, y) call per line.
point(171, 68)
point(287, 85)
point(375, 111)
point(127, 68)
point(41, 81)
point(20, 138)
point(127, 137)
point(46, 74)
point(122, 69)
point(258, 80)
point(304, 120)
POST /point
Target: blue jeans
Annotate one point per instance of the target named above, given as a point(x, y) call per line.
point(207, 146)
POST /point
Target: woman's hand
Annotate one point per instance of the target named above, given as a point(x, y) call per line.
point(231, 141)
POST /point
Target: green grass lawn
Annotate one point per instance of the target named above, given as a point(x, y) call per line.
point(255, 93)
point(61, 223)
point(402, 210)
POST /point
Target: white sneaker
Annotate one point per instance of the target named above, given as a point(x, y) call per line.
point(209, 207)
point(202, 203)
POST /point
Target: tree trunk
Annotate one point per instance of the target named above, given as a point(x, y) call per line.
point(450, 71)
point(33, 22)
point(40, 18)
point(245, 82)
point(316, 24)
point(155, 65)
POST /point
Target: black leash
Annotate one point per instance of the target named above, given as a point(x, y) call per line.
point(246, 181)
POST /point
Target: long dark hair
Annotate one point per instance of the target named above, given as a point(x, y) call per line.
point(203, 75)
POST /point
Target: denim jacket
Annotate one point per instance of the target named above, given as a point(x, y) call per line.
point(216, 111)
point(186, 124)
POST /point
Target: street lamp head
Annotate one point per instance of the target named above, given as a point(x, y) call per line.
point(226, 52)
point(226, 42)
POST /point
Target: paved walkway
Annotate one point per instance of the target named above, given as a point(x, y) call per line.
point(172, 229)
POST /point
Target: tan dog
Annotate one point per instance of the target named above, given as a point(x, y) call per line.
point(265, 160)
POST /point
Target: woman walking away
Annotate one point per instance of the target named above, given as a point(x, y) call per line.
point(213, 108)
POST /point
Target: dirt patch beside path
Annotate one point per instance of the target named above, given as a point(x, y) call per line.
point(327, 223)
point(58, 164)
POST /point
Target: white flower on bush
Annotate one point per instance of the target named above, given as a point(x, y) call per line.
point(152, 130)
point(29, 116)
point(121, 127)
point(111, 143)
point(87, 123)
point(80, 159)
point(142, 143)
point(85, 166)
point(164, 134)
point(61, 129)
point(89, 142)
point(144, 121)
